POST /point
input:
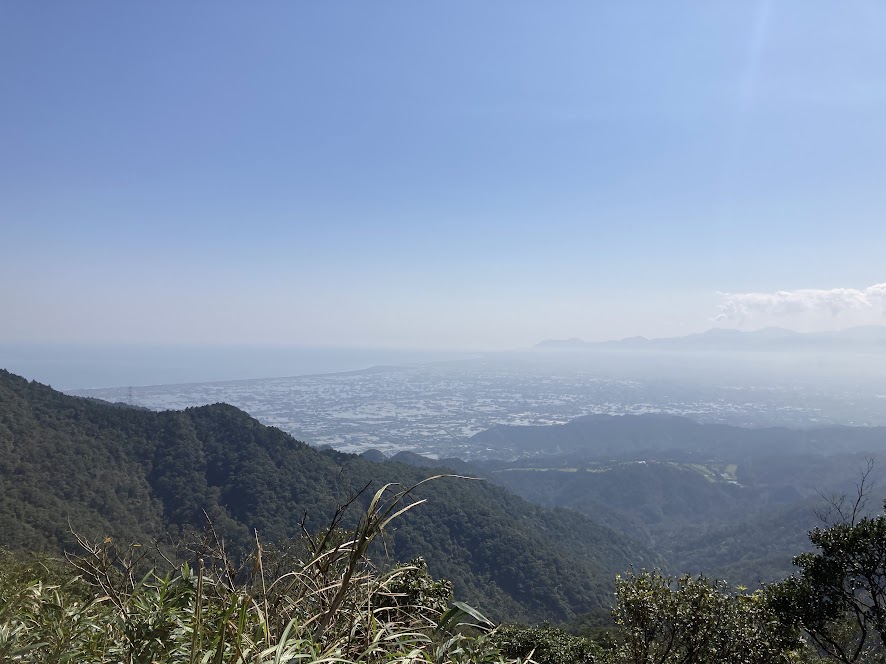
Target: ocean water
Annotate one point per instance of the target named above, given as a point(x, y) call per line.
point(72, 367)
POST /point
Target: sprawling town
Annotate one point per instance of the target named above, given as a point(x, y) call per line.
point(434, 409)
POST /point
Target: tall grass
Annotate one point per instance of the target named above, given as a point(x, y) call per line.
point(319, 600)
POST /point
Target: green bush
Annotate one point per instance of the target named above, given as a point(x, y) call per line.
point(545, 644)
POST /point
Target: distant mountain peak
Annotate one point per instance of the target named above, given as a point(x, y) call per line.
point(722, 338)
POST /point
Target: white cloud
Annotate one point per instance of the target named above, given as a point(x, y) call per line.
point(779, 304)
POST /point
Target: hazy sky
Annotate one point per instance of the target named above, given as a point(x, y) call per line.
point(448, 174)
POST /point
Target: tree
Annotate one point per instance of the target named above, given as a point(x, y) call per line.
point(691, 620)
point(546, 644)
point(839, 595)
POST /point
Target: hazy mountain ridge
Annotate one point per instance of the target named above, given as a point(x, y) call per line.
point(711, 498)
point(866, 338)
point(733, 502)
point(617, 436)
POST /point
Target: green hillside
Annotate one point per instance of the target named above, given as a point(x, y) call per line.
point(626, 437)
point(731, 502)
point(110, 470)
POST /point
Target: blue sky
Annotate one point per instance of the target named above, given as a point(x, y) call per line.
point(452, 175)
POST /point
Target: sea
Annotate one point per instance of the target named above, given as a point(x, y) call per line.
point(77, 367)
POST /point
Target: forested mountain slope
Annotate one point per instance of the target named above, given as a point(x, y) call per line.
point(619, 437)
point(728, 501)
point(133, 474)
